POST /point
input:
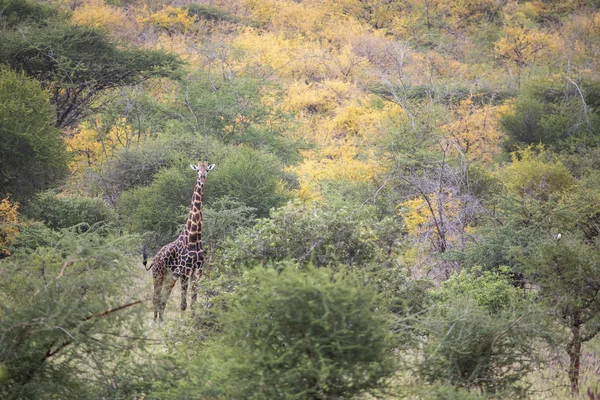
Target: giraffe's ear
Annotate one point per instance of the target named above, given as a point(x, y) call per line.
point(211, 167)
point(194, 167)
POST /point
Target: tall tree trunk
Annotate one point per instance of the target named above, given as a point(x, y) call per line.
point(574, 351)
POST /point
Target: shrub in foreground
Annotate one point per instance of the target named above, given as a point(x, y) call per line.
point(296, 335)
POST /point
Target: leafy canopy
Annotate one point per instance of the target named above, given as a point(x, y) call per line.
point(77, 64)
point(32, 152)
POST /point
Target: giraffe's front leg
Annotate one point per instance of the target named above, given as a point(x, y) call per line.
point(195, 279)
point(184, 287)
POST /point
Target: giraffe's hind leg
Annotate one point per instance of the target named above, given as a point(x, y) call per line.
point(184, 287)
point(159, 280)
point(170, 281)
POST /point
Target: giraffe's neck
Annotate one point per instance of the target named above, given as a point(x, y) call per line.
point(193, 227)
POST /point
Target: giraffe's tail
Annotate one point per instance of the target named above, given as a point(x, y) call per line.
point(145, 257)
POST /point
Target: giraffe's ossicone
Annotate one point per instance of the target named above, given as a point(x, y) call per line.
point(183, 258)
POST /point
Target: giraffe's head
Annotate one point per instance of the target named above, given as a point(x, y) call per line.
point(202, 169)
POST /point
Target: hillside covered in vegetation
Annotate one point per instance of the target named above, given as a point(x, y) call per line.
point(405, 201)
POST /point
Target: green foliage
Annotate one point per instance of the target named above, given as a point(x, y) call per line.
point(568, 274)
point(138, 165)
point(555, 113)
point(32, 152)
point(250, 176)
point(468, 346)
point(482, 183)
point(308, 235)
point(60, 316)
point(15, 12)
point(160, 208)
point(491, 290)
point(243, 175)
point(222, 219)
point(233, 110)
point(531, 175)
point(77, 64)
point(61, 211)
point(295, 335)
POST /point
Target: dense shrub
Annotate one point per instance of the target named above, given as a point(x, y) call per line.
point(160, 208)
point(222, 219)
point(64, 211)
point(295, 335)
point(312, 235)
point(250, 176)
point(231, 108)
point(482, 333)
point(59, 308)
point(554, 113)
point(207, 13)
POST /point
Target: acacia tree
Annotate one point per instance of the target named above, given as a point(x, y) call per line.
point(65, 314)
point(78, 64)
point(541, 199)
point(568, 274)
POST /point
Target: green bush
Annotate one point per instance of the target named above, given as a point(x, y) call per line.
point(491, 290)
point(208, 13)
point(31, 149)
point(232, 109)
point(60, 316)
point(250, 176)
point(295, 335)
point(246, 176)
point(553, 113)
point(15, 12)
point(138, 165)
point(222, 219)
point(161, 208)
point(481, 333)
point(64, 211)
point(311, 235)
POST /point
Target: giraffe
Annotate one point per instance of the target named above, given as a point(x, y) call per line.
point(183, 258)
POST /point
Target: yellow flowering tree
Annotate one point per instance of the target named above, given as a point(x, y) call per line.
point(8, 225)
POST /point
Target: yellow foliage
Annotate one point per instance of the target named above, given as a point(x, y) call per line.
point(290, 57)
point(9, 230)
point(582, 33)
point(100, 15)
point(522, 46)
point(475, 129)
point(315, 21)
point(534, 175)
point(341, 162)
point(307, 100)
point(172, 19)
point(92, 144)
point(415, 213)
point(356, 120)
point(303, 57)
point(289, 17)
